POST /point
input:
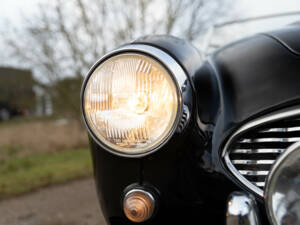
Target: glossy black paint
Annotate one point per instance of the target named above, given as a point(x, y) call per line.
point(255, 76)
point(288, 37)
point(239, 82)
point(185, 187)
point(208, 94)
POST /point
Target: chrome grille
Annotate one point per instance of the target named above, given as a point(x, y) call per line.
point(252, 150)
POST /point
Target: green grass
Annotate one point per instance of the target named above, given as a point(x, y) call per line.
point(21, 175)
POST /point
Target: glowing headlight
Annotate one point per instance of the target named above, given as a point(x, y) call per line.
point(283, 188)
point(131, 103)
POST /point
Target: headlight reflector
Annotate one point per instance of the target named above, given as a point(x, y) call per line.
point(283, 188)
point(131, 103)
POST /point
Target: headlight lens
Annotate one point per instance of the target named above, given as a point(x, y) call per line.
point(131, 103)
point(283, 188)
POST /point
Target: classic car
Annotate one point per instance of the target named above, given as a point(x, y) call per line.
point(178, 139)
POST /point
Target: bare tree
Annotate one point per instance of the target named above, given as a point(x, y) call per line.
point(65, 37)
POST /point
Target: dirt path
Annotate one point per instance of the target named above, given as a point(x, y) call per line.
point(74, 203)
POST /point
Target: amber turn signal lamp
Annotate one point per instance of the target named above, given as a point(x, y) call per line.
point(138, 205)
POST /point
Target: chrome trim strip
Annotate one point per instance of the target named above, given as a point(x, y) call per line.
point(277, 130)
point(262, 120)
point(293, 129)
point(260, 184)
point(241, 178)
point(257, 151)
point(262, 140)
point(254, 172)
point(252, 162)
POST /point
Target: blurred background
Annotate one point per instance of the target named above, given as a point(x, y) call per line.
point(46, 48)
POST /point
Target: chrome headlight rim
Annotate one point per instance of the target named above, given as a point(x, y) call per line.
point(177, 75)
point(274, 172)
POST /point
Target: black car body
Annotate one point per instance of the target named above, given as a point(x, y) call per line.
point(235, 100)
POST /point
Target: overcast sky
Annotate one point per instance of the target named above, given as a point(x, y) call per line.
point(261, 7)
point(12, 9)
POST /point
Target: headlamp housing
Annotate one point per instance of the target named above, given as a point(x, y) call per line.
point(282, 192)
point(132, 100)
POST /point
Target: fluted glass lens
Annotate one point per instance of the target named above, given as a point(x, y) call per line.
point(130, 103)
point(283, 192)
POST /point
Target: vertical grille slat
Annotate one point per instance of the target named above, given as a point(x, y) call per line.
point(252, 150)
